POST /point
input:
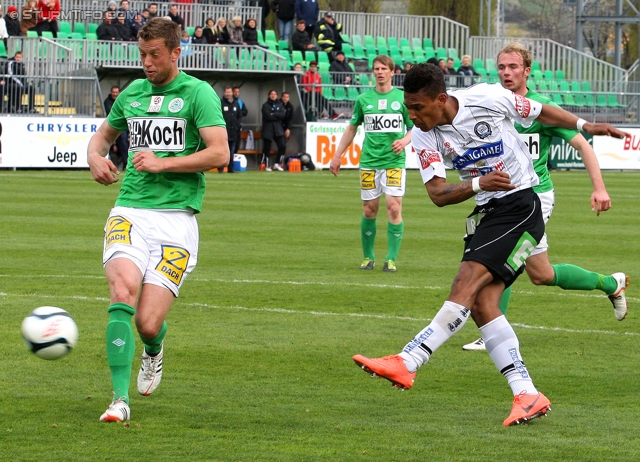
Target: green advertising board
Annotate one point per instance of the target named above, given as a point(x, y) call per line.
point(564, 156)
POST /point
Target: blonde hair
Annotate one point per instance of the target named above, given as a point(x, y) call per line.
point(519, 49)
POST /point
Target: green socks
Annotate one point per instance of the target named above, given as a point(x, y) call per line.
point(570, 277)
point(368, 232)
point(394, 238)
point(153, 346)
point(120, 348)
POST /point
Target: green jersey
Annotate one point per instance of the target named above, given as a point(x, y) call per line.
point(165, 120)
point(386, 120)
point(538, 138)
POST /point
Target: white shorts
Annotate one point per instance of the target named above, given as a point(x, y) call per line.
point(374, 183)
point(548, 201)
point(162, 243)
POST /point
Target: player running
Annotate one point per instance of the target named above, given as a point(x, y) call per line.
point(514, 66)
point(382, 161)
point(177, 131)
point(472, 131)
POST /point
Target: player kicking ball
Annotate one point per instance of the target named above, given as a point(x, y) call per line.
point(177, 132)
point(471, 131)
point(514, 66)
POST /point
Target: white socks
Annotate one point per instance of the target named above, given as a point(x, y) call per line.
point(504, 349)
point(447, 322)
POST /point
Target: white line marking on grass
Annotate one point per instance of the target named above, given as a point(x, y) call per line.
point(329, 313)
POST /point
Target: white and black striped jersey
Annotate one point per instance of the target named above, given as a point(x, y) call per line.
point(481, 139)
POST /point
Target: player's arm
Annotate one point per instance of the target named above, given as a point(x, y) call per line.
point(558, 117)
point(347, 138)
point(443, 193)
point(102, 169)
point(600, 200)
point(399, 145)
point(215, 154)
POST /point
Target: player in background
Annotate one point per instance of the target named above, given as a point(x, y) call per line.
point(514, 66)
point(471, 131)
point(151, 237)
point(382, 161)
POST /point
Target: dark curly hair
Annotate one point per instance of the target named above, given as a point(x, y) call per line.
point(425, 78)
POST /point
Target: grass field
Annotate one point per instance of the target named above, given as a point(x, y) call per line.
point(258, 353)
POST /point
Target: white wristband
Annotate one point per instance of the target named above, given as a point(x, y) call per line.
point(475, 185)
point(580, 124)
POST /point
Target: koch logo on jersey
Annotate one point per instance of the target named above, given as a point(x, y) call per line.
point(157, 133)
point(383, 123)
point(474, 155)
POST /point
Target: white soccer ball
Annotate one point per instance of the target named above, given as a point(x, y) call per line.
point(49, 332)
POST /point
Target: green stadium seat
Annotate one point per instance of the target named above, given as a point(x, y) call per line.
point(478, 65)
point(537, 74)
point(531, 84)
point(358, 51)
point(327, 92)
point(352, 93)
point(76, 36)
point(393, 43)
point(586, 86)
point(261, 41)
point(32, 33)
point(368, 41)
point(270, 36)
point(190, 30)
point(601, 100)
point(404, 42)
point(272, 46)
point(564, 86)
point(612, 101)
point(297, 57)
point(363, 79)
point(589, 100)
point(548, 74)
point(345, 38)
point(535, 66)
point(418, 55)
point(453, 53)
point(416, 43)
point(64, 26)
point(407, 55)
point(91, 36)
point(427, 43)
point(559, 75)
point(309, 56)
point(348, 51)
point(92, 28)
point(78, 28)
point(490, 65)
point(542, 86)
point(62, 35)
point(383, 50)
point(283, 45)
point(323, 67)
point(323, 57)
point(47, 34)
point(569, 100)
point(245, 60)
point(397, 58)
point(441, 53)
point(3, 49)
point(371, 53)
point(285, 54)
point(340, 93)
point(381, 42)
point(557, 98)
point(431, 53)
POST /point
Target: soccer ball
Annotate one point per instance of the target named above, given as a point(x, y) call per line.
point(49, 332)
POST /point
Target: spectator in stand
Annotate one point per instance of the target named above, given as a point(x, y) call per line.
point(128, 15)
point(297, 67)
point(198, 36)
point(153, 10)
point(119, 151)
point(12, 21)
point(450, 64)
point(175, 16)
point(312, 97)
point(17, 85)
point(185, 45)
point(113, 6)
point(250, 34)
point(207, 31)
point(286, 122)
point(122, 29)
point(235, 31)
point(4, 35)
point(29, 16)
point(273, 114)
point(136, 25)
point(221, 32)
point(285, 12)
point(233, 118)
point(328, 33)
point(300, 40)
point(408, 65)
point(398, 76)
point(466, 68)
point(341, 72)
point(145, 16)
point(308, 10)
point(243, 107)
point(443, 65)
point(48, 12)
point(264, 4)
point(107, 30)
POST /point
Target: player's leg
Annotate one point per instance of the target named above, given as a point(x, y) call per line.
point(124, 279)
point(401, 369)
point(393, 183)
point(370, 192)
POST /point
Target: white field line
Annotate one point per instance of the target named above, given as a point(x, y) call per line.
point(319, 313)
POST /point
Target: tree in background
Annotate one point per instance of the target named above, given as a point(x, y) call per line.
point(363, 6)
point(463, 11)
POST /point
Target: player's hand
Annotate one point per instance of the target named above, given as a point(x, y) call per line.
point(147, 161)
point(600, 202)
point(334, 166)
point(102, 169)
point(398, 146)
point(496, 181)
point(604, 130)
